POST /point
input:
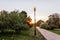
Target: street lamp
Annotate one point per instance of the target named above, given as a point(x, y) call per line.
point(35, 21)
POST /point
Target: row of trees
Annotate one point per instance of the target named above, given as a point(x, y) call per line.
point(18, 21)
point(51, 23)
point(14, 20)
point(54, 21)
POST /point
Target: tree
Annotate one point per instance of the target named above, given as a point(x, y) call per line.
point(53, 21)
point(13, 21)
point(23, 19)
point(29, 21)
point(3, 20)
point(45, 26)
point(39, 22)
point(23, 13)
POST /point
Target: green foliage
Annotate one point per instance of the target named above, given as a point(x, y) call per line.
point(48, 27)
point(23, 35)
point(45, 26)
point(13, 21)
point(56, 31)
point(54, 21)
point(39, 22)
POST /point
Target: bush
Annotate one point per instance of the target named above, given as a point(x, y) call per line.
point(13, 21)
point(49, 27)
point(52, 26)
point(45, 26)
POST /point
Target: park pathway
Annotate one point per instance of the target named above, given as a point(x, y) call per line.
point(48, 35)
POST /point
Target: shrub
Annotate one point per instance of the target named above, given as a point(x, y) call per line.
point(45, 26)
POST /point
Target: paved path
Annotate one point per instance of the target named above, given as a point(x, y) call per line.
point(48, 35)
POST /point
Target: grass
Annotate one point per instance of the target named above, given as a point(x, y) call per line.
point(24, 35)
point(55, 31)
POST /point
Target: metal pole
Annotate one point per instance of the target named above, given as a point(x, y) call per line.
point(35, 21)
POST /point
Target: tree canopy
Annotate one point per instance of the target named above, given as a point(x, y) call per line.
point(13, 20)
point(54, 21)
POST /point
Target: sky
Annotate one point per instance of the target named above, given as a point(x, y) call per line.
point(43, 7)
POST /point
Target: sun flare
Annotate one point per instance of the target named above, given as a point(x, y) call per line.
point(39, 18)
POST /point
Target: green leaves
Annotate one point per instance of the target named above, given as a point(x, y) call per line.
point(13, 20)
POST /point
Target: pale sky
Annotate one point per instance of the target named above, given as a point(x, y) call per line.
point(43, 7)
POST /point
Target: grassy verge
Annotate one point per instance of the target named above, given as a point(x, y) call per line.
point(24, 35)
point(55, 31)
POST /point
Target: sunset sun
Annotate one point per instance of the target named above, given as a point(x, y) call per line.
point(39, 18)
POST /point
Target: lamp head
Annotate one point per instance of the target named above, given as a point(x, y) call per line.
point(34, 8)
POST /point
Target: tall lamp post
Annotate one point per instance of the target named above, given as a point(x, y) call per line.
point(35, 21)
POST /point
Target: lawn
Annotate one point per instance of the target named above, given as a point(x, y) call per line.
point(24, 35)
point(55, 31)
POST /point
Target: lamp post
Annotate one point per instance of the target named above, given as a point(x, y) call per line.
point(35, 21)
